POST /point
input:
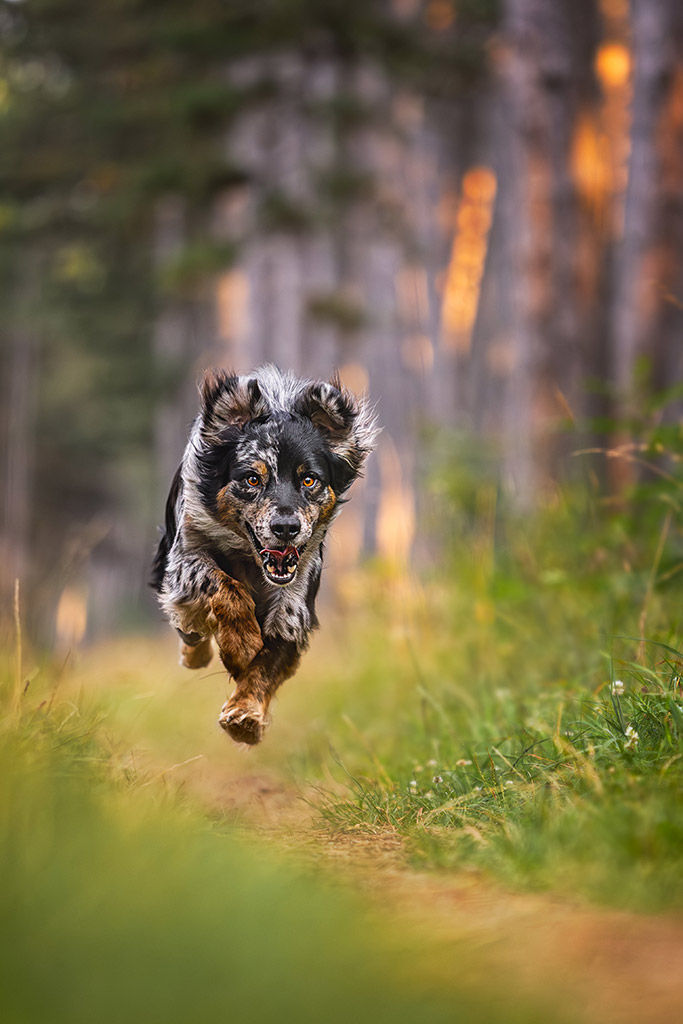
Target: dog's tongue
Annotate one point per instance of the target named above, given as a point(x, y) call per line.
point(280, 563)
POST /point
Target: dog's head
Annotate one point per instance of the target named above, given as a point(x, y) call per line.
point(275, 457)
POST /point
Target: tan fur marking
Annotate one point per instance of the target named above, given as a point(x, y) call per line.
point(228, 507)
point(197, 656)
point(237, 632)
point(329, 502)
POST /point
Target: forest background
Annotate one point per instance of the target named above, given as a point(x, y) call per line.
point(473, 209)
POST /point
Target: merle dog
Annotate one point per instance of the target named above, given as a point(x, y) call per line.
point(269, 459)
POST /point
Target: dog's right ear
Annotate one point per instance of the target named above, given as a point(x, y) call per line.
point(229, 400)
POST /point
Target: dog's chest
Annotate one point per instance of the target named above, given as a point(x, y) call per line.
point(284, 613)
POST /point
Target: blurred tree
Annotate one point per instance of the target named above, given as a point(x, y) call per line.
point(448, 200)
point(647, 270)
point(120, 155)
point(547, 73)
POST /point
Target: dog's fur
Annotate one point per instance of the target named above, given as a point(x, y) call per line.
point(269, 459)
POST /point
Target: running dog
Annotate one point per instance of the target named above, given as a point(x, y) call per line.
point(268, 462)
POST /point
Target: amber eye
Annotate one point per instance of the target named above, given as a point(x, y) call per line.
point(308, 481)
point(253, 480)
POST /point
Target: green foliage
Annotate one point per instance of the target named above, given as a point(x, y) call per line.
point(499, 735)
point(571, 791)
point(282, 213)
point(338, 309)
point(342, 187)
point(196, 263)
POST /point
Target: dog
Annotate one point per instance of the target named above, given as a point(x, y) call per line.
point(265, 472)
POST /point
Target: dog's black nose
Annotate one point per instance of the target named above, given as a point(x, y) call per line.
point(285, 528)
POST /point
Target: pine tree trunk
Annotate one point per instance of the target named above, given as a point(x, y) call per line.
point(639, 266)
point(20, 402)
point(541, 83)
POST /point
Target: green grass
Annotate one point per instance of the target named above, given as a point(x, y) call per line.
point(474, 714)
point(121, 900)
point(481, 724)
point(505, 661)
point(547, 790)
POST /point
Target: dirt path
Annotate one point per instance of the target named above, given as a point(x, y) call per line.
point(597, 964)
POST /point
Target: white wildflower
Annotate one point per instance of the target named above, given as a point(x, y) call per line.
point(437, 779)
point(617, 688)
point(431, 763)
point(477, 789)
point(509, 782)
point(631, 738)
point(462, 763)
point(413, 784)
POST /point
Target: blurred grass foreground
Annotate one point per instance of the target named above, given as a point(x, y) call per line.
point(120, 902)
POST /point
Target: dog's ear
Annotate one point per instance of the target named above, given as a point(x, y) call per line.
point(348, 423)
point(229, 400)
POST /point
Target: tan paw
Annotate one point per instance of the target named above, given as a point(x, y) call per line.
point(244, 719)
point(196, 656)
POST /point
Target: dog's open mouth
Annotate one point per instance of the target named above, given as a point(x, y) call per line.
point(280, 566)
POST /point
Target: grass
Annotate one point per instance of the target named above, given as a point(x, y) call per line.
point(522, 727)
point(518, 716)
point(122, 900)
point(472, 715)
point(577, 792)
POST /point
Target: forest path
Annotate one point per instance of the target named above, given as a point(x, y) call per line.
point(596, 964)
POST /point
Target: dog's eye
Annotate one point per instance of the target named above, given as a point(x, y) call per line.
point(253, 480)
point(309, 481)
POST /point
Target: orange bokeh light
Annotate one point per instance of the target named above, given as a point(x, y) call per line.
point(613, 65)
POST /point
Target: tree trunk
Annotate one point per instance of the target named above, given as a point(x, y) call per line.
point(20, 403)
point(542, 84)
point(634, 301)
point(638, 264)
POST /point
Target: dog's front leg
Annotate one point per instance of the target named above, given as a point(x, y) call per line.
point(237, 632)
point(244, 716)
point(203, 601)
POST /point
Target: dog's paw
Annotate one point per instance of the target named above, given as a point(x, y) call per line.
point(244, 719)
point(197, 655)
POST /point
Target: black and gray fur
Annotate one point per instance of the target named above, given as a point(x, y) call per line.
point(269, 460)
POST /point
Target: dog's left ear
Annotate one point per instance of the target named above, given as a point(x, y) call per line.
point(348, 423)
